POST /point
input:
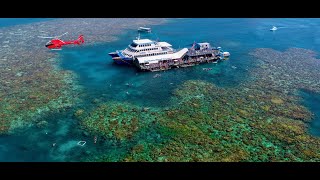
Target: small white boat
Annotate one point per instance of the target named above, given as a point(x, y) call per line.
point(273, 28)
point(144, 29)
point(226, 54)
point(82, 143)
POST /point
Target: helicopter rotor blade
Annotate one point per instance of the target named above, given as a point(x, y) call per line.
point(62, 34)
point(45, 37)
point(53, 36)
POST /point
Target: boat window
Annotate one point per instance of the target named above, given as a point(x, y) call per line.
point(134, 45)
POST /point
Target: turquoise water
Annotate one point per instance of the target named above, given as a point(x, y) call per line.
point(312, 101)
point(103, 80)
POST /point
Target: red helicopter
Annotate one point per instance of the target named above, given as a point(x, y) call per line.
point(56, 43)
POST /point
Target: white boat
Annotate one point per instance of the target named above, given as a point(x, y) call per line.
point(141, 48)
point(144, 29)
point(273, 28)
point(226, 54)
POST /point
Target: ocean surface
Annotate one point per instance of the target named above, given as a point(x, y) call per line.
point(103, 80)
point(5, 22)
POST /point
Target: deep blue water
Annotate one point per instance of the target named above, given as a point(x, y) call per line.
point(103, 80)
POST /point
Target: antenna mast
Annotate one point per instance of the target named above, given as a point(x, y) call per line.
point(138, 38)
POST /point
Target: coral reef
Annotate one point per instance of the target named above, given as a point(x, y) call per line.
point(116, 120)
point(31, 82)
point(259, 120)
point(296, 68)
point(39, 88)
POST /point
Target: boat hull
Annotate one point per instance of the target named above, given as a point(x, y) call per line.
point(123, 62)
point(119, 59)
point(144, 31)
point(113, 54)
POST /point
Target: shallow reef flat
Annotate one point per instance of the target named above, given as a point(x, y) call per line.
point(293, 69)
point(31, 82)
point(116, 120)
point(260, 120)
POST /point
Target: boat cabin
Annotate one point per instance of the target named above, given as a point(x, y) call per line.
point(202, 46)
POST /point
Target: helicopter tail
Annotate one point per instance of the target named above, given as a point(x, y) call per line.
point(80, 39)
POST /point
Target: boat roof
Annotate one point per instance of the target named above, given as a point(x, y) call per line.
point(164, 44)
point(142, 41)
point(144, 28)
point(155, 59)
point(203, 43)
